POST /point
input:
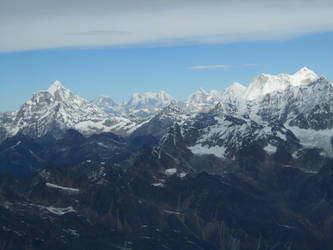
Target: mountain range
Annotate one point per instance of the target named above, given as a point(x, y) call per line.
point(241, 168)
point(268, 110)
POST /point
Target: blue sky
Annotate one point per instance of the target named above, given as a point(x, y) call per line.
point(120, 71)
point(116, 50)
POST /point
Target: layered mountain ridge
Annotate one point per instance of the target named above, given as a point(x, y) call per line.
point(203, 100)
point(302, 101)
point(292, 125)
point(301, 104)
point(244, 168)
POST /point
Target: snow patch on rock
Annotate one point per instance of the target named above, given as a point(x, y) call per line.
point(59, 210)
point(68, 189)
point(170, 171)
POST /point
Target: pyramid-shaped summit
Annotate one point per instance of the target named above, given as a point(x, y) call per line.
point(58, 109)
point(55, 87)
point(304, 75)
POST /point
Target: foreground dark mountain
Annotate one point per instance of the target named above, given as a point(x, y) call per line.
point(244, 168)
point(164, 197)
point(104, 207)
point(22, 155)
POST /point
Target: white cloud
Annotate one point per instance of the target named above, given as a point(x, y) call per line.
point(39, 24)
point(210, 67)
point(250, 65)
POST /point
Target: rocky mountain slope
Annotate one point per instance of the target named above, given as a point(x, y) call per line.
point(244, 168)
point(103, 207)
point(290, 118)
point(284, 113)
point(56, 110)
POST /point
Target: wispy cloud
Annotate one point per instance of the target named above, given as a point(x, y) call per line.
point(27, 25)
point(219, 66)
point(250, 65)
point(98, 33)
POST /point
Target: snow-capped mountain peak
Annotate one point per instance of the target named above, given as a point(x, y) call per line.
point(161, 98)
point(304, 75)
point(236, 90)
point(147, 103)
point(60, 93)
point(107, 104)
point(58, 109)
point(203, 97)
point(203, 100)
point(164, 97)
point(55, 87)
point(103, 100)
point(237, 86)
point(266, 83)
point(140, 105)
